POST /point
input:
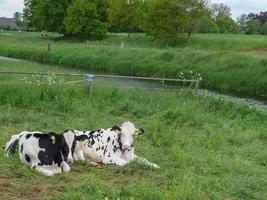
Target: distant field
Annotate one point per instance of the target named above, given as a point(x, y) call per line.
point(213, 56)
point(207, 148)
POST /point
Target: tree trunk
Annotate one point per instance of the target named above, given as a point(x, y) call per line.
point(189, 35)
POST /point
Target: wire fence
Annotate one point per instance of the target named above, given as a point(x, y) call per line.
point(89, 78)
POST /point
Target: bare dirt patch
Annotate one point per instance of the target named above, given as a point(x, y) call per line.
point(256, 54)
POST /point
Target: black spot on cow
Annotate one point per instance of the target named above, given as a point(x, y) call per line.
point(27, 158)
point(108, 139)
point(119, 142)
point(95, 131)
point(28, 136)
point(21, 148)
point(105, 150)
point(81, 138)
point(115, 128)
point(109, 155)
point(92, 142)
point(102, 147)
point(73, 146)
point(52, 150)
point(67, 131)
point(113, 142)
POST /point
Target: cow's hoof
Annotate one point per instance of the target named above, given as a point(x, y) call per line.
point(156, 166)
point(99, 167)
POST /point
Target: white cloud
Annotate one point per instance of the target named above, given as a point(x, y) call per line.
point(239, 7)
point(9, 7)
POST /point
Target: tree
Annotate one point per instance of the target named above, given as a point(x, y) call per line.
point(18, 18)
point(29, 8)
point(219, 10)
point(242, 22)
point(262, 17)
point(195, 9)
point(227, 25)
point(208, 25)
point(87, 18)
point(264, 29)
point(49, 14)
point(123, 15)
point(166, 19)
point(253, 27)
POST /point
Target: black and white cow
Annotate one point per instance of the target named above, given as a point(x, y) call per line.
point(44, 152)
point(110, 146)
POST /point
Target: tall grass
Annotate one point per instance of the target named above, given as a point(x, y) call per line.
point(223, 71)
point(207, 148)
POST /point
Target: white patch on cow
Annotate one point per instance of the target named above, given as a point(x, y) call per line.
point(69, 137)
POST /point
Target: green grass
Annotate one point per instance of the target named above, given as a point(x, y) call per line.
point(223, 71)
point(207, 148)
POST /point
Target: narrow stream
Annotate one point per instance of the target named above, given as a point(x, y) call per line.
point(156, 86)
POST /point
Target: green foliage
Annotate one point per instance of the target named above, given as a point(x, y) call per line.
point(208, 25)
point(165, 19)
point(264, 29)
point(124, 15)
point(28, 11)
point(195, 9)
point(49, 15)
point(227, 25)
point(17, 17)
point(242, 23)
point(253, 26)
point(87, 18)
point(207, 148)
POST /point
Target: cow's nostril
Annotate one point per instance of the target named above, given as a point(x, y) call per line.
point(126, 147)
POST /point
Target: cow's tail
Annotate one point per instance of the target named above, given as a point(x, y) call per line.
point(12, 144)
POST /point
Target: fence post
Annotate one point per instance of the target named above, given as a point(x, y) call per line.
point(90, 80)
point(87, 43)
point(122, 44)
point(49, 47)
point(197, 86)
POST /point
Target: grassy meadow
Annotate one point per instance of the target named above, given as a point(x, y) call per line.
point(216, 58)
point(207, 148)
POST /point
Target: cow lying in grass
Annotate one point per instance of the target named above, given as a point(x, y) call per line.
point(111, 146)
point(44, 152)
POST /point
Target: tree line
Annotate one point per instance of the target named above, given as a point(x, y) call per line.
point(167, 21)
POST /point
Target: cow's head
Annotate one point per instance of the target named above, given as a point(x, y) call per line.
point(67, 144)
point(127, 133)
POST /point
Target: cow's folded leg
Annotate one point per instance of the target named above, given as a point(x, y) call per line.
point(114, 161)
point(44, 171)
point(78, 155)
point(95, 164)
point(144, 161)
point(65, 167)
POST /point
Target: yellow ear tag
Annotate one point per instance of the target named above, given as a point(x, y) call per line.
point(53, 138)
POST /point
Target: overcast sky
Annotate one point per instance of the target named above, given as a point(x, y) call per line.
point(9, 7)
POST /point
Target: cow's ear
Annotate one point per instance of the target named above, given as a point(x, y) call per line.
point(116, 129)
point(139, 131)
